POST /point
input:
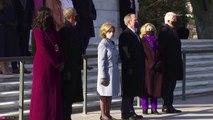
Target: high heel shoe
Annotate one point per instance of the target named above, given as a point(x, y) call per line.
point(110, 117)
point(154, 111)
point(145, 111)
point(101, 118)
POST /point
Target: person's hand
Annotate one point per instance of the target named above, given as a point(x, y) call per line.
point(104, 82)
point(92, 16)
point(61, 67)
point(158, 66)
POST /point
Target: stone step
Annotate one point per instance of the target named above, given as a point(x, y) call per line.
point(197, 41)
point(14, 85)
point(77, 107)
point(199, 70)
point(13, 95)
point(202, 89)
point(198, 64)
point(14, 77)
point(199, 57)
point(198, 77)
point(194, 83)
point(93, 95)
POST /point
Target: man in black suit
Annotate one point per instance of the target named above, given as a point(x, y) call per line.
point(71, 75)
point(24, 11)
point(173, 70)
point(86, 14)
point(133, 67)
point(126, 7)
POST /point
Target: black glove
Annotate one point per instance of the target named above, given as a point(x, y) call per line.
point(104, 82)
point(61, 67)
point(158, 66)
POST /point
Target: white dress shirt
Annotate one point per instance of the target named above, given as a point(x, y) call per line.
point(66, 4)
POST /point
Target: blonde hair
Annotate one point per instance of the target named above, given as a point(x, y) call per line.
point(105, 28)
point(69, 12)
point(143, 29)
point(169, 16)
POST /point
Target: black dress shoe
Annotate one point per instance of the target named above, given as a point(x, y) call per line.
point(170, 110)
point(133, 118)
point(125, 117)
point(145, 111)
point(154, 111)
point(136, 116)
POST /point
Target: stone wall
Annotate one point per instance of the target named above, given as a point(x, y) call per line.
point(107, 11)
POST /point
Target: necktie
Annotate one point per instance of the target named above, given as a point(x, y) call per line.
point(138, 37)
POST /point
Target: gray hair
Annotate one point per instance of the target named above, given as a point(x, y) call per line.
point(169, 16)
point(127, 18)
point(69, 12)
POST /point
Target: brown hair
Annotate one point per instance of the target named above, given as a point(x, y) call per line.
point(44, 18)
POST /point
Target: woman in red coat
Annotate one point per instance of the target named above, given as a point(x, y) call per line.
point(153, 68)
point(47, 64)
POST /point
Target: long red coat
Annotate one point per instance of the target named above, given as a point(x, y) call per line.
point(153, 78)
point(46, 87)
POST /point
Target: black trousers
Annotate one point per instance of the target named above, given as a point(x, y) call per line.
point(127, 106)
point(168, 92)
point(85, 43)
point(66, 109)
point(24, 34)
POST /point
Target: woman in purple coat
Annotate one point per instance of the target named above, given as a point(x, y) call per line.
point(47, 64)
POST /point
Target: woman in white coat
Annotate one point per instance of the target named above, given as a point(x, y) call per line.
point(108, 71)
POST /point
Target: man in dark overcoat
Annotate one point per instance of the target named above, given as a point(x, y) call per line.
point(126, 7)
point(71, 75)
point(24, 11)
point(171, 49)
point(86, 14)
point(133, 69)
point(9, 40)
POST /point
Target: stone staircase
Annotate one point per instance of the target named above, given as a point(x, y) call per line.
point(199, 80)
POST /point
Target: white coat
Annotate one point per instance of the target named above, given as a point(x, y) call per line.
point(108, 68)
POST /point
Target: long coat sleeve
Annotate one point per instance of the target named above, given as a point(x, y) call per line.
point(46, 87)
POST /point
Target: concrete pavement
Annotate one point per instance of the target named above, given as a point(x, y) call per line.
point(195, 107)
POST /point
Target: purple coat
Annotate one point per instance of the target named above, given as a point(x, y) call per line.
point(46, 87)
